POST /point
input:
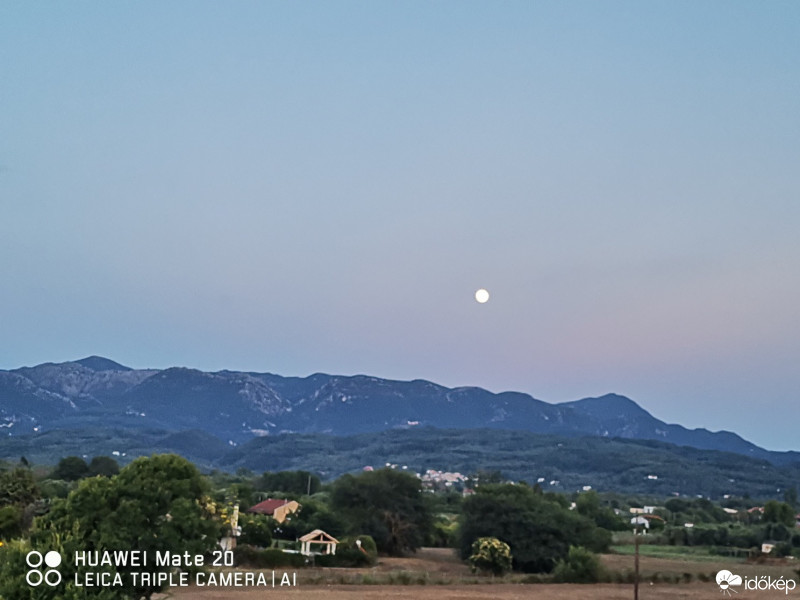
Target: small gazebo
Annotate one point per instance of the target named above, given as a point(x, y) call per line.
point(318, 537)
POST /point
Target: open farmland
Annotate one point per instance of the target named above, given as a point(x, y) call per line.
point(460, 592)
point(436, 574)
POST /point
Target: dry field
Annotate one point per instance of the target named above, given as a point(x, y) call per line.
point(446, 578)
point(706, 591)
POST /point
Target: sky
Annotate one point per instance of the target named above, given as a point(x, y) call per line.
point(300, 187)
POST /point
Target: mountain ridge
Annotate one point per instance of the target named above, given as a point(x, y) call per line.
point(238, 406)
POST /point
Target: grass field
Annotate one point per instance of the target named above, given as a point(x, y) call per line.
point(692, 553)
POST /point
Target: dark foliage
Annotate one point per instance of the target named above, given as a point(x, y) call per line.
point(538, 530)
point(387, 505)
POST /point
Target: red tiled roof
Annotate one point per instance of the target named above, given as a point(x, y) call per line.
point(268, 506)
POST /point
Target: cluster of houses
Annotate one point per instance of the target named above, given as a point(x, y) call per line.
point(433, 479)
point(644, 516)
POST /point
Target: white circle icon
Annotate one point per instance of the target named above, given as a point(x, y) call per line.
point(56, 578)
point(34, 578)
point(34, 559)
point(52, 559)
point(482, 296)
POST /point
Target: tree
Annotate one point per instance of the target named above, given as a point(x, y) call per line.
point(488, 476)
point(256, 530)
point(790, 497)
point(538, 529)
point(154, 504)
point(105, 466)
point(10, 522)
point(387, 505)
point(18, 487)
point(490, 555)
point(71, 468)
point(588, 505)
point(779, 512)
point(297, 483)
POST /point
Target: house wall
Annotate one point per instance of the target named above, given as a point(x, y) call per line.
point(284, 511)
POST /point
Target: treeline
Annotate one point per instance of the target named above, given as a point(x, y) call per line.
point(606, 464)
point(163, 502)
point(700, 522)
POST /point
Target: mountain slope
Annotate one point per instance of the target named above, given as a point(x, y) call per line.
point(236, 406)
point(556, 463)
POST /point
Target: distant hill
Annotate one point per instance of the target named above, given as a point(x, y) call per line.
point(98, 363)
point(237, 407)
point(556, 463)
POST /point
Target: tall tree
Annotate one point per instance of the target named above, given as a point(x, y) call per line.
point(71, 468)
point(387, 505)
point(104, 466)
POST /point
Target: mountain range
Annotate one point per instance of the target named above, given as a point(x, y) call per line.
point(236, 407)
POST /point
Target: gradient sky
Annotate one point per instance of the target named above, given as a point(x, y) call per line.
point(297, 187)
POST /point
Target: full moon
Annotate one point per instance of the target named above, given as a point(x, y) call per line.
point(482, 296)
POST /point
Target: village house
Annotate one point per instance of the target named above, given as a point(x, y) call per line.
point(644, 520)
point(277, 508)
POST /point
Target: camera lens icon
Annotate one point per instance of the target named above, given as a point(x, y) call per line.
point(35, 577)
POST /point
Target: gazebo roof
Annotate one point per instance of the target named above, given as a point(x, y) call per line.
point(319, 537)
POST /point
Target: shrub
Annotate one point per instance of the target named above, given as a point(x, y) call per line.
point(490, 555)
point(344, 557)
point(580, 566)
point(266, 559)
point(256, 530)
point(367, 544)
point(10, 522)
point(349, 554)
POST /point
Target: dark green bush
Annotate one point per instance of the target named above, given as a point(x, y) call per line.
point(344, 557)
point(367, 543)
point(580, 566)
point(245, 555)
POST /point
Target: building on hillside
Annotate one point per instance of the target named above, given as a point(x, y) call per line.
point(277, 508)
point(433, 479)
point(645, 510)
point(645, 520)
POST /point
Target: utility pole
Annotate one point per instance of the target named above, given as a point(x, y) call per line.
point(635, 564)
